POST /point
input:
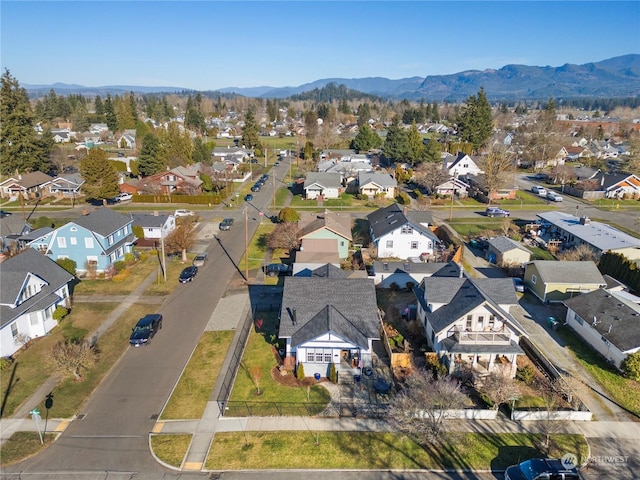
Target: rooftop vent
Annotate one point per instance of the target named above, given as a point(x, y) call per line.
point(584, 220)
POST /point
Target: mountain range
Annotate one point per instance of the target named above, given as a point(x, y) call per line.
point(612, 78)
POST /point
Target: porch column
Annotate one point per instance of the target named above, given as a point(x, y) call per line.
point(492, 359)
point(514, 365)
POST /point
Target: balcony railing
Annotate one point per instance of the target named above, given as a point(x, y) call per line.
point(494, 338)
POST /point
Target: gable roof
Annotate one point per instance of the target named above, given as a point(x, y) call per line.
point(149, 221)
point(378, 178)
point(103, 221)
point(344, 306)
point(461, 295)
point(13, 275)
point(34, 179)
point(616, 319)
point(338, 223)
point(388, 219)
point(553, 271)
point(505, 244)
point(324, 179)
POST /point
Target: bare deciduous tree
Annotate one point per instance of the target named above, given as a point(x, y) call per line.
point(256, 376)
point(582, 252)
point(500, 387)
point(422, 406)
point(71, 358)
point(429, 175)
point(498, 171)
point(181, 239)
point(285, 235)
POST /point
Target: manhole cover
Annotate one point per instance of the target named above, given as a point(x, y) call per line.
point(81, 416)
point(154, 416)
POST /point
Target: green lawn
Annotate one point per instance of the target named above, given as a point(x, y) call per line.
point(259, 356)
point(171, 449)
point(191, 394)
point(137, 273)
point(624, 391)
point(366, 450)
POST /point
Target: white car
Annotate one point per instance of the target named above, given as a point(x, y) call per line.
point(184, 213)
point(123, 197)
point(537, 189)
point(554, 197)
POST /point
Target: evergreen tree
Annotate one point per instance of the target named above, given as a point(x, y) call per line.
point(98, 106)
point(20, 148)
point(364, 114)
point(416, 151)
point(366, 139)
point(200, 152)
point(194, 118)
point(475, 122)
point(250, 138)
point(110, 114)
point(175, 147)
point(435, 113)
point(149, 161)
point(100, 175)
point(395, 144)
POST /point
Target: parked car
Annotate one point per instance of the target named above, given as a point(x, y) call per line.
point(275, 269)
point(200, 259)
point(256, 187)
point(4, 213)
point(188, 274)
point(145, 329)
point(518, 284)
point(496, 212)
point(538, 190)
point(248, 197)
point(184, 213)
point(554, 197)
point(225, 224)
point(123, 197)
point(541, 468)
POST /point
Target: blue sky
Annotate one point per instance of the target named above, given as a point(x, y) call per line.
point(207, 45)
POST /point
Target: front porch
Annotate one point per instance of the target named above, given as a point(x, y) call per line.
point(496, 353)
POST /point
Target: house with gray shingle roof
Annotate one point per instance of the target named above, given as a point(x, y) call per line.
point(607, 321)
point(154, 228)
point(377, 183)
point(468, 324)
point(329, 319)
point(322, 184)
point(505, 251)
point(32, 287)
point(385, 274)
point(554, 281)
point(95, 241)
point(398, 233)
point(327, 225)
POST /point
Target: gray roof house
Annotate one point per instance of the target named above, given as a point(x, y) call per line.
point(403, 273)
point(377, 183)
point(322, 184)
point(505, 251)
point(553, 281)
point(154, 228)
point(468, 324)
point(329, 319)
point(32, 287)
point(607, 321)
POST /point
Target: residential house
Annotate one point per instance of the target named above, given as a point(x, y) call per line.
point(478, 189)
point(61, 137)
point(154, 227)
point(576, 152)
point(606, 321)
point(468, 324)
point(505, 251)
point(177, 180)
point(30, 185)
point(403, 274)
point(327, 320)
point(574, 231)
point(396, 233)
point(553, 282)
point(95, 241)
point(454, 185)
point(98, 128)
point(373, 184)
point(10, 187)
point(33, 286)
point(461, 165)
point(328, 225)
point(127, 140)
point(314, 253)
point(67, 185)
point(232, 155)
point(320, 185)
point(618, 185)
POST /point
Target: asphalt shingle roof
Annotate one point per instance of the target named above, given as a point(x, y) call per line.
point(505, 244)
point(13, 273)
point(339, 223)
point(552, 271)
point(103, 221)
point(347, 307)
point(327, 180)
point(146, 220)
point(388, 219)
point(616, 320)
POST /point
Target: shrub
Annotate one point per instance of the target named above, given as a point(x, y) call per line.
point(525, 374)
point(410, 286)
point(394, 287)
point(333, 373)
point(5, 363)
point(60, 312)
point(119, 266)
point(129, 258)
point(631, 366)
point(300, 372)
point(403, 198)
point(121, 276)
point(68, 264)
point(138, 231)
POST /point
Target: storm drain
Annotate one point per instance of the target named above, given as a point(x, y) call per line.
point(154, 416)
point(81, 416)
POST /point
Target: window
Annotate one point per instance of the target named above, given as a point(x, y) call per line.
point(62, 242)
point(389, 243)
point(492, 321)
point(481, 322)
point(414, 245)
point(110, 239)
point(14, 330)
point(533, 279)
point(88, 242)
point(406, 230)
point(73, 240)
point(469, 322)
point(319, 355)
point(33, 318)
point(579, 319)
point(342, 243)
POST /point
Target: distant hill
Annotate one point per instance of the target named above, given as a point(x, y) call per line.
point(615, 77)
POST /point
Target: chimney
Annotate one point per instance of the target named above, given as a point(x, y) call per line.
point(85, 212)
point(584, 220)
point(156, 213)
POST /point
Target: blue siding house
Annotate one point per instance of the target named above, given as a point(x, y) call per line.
point(95, 240)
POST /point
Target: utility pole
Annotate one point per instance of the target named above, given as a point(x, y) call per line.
point(453, 194)
point(164, 262)
point(273, 178)
point(246, 245)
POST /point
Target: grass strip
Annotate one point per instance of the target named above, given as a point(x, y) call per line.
point(190, 397)
point(171, 449)
point(368, 450)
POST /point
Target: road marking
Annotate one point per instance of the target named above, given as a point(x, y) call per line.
point(192, 466)
point(157, 428)
point(105, 436)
